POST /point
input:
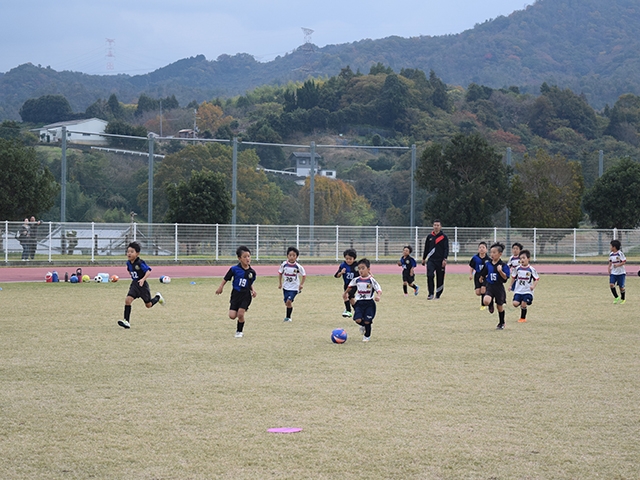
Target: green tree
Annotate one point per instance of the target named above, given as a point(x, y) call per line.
point(614, 199)
point(46, 109)
point(546, 192)
point(203, 198)
point(27, 188)
point(115, 107)
point(465, 179)
point(393, 100)
point(624, 123)
point(120, 127)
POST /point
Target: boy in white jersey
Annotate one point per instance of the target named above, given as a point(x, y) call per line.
point(524, 278)
point(367, 293)
point(294, 276)
point(617, 272)
point(514, 261)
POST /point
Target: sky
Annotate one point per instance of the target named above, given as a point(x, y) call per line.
point(150, 34)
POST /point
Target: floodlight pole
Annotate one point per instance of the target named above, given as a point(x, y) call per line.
point(150, 195)
point(63, 179)
point(312, 173)
point(412, 220)
point(234, 181)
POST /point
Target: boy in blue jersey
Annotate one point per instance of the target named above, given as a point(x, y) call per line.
point(408, 264)
point(367, 292)
point(526, 278)
point(139, 287)
point(494, 274)
point(242, 293)
point(617, 272)
point(475, 266)
point(347, 270)
point(294, 276)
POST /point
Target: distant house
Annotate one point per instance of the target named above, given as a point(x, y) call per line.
point(300, 163)
point(82, 132)
point(187, 133)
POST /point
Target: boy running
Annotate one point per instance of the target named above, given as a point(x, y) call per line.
point(367, 292)
point(408, 264)
point(494, 274)
point(139, 287)
point(514, 261)
point(294, 276)
point(617, 271)
point(475, 267)
point(525, 280)
point(347, 270)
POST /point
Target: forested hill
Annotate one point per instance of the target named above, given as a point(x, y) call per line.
point(589, 46)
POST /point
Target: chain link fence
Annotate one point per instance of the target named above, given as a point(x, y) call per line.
point(56, 242)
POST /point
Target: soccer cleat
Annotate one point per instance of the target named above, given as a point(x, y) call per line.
point(161, 299)
point(483, 307)
point(622, 302)
point(406, 295)
point(287, 319)
point(430, 297)
point(417, 289)
point(491, 308)
point(500, 326)
point(616, 301)
point(239, 335)
point(124, 324)
point(365, 339)
point(522, 320)
point(362, 329)
point(347, 314)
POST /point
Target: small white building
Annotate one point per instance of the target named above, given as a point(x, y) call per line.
point(83, 132)
point(300, 163)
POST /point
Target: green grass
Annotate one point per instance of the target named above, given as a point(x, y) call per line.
point(437, 393)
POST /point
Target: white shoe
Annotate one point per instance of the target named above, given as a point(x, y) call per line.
point(239, 335)
point(124, 324)
point(347, 314)
point(287, 319)
point(365, 339)
point(362, 329)
point(161, 300)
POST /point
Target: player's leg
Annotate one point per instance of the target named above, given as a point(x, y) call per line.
point(621, 285)
point(404, 288)
point(439, 280)
point(430, 279)
point(288, 302)
point(500, 299)
point(240, 321)
point(612, 286)
point(125, 323)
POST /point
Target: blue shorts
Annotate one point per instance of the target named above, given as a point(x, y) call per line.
point(289, 295)
point(619, 279)
point(365, 310)
point(523, 298)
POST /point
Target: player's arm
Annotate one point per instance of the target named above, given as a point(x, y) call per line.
point(302, 279)
point(345, 295)
point(340, 272)
point(279, 279)
point(503, 270)
point(144, 278)
point(535, 282)
point(254, 294)
point(221, 287)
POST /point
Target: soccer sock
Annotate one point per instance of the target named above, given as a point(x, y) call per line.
point(414, 286)
point(154, 300)
point(622, 294)
point(482, 300)
point(367, 329)
point(289, 310)
point(613, 290)
point(240, 326)
point(501, 316)
point(404, 289)
point(523, 313)
point(127, 312)
point(347, 306)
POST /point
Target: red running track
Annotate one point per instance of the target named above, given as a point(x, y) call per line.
point(37, 274)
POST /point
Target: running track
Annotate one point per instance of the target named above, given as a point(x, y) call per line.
point(36, 274)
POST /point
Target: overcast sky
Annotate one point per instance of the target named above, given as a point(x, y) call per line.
point(149, 34)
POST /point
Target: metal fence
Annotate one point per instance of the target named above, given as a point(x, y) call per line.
point(103, 242)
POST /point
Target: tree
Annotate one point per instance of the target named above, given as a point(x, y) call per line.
point(336, 203)
point(27, 188)
point(203, 198)
point(466, 181)
point(546, 192)
point(614, 199)
point(120, 127)
point(46, 109)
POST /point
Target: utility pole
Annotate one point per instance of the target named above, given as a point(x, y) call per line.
point(312, 172)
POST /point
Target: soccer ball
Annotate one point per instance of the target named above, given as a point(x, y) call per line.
point(86, 278)
point(114, 278)
point(165, 279)
point(339, 335)
point(97, 279)
point(73, 279)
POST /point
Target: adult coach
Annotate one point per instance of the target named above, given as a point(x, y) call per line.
point(436, 251)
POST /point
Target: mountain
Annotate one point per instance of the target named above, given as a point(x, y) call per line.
point(589, 46)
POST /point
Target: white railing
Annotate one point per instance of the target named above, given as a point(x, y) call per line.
point(102, 242)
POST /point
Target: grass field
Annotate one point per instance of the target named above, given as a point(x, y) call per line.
point(437, 393)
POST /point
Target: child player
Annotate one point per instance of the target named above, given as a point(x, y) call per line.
point(494, 274)
point(514, 261)
point(139, 287)
point(408, 264)
point(475, 267)
point(294, 276)
point(617, 272)
point(367, 292)
point(347, 270)
point(243, 277)
point(526, 278)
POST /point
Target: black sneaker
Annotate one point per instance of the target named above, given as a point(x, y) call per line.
point(430, 297)
point(491, 308)
point(500, 326)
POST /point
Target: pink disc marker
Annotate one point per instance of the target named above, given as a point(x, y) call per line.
point(284, 430)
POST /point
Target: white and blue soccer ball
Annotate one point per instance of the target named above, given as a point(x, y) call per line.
point(165, 279)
